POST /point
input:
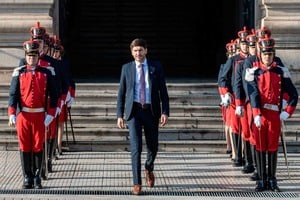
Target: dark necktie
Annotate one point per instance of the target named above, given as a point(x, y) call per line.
point(142, 85)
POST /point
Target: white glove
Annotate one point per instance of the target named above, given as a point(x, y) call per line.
point(12, 120)
point(249, 75)
point(227, 99)
point(57, 112)
point(48, 120)
point(69, 103)
point(284, 115)
point(257, 121)
point(222, 97)
point(61, 104)
point(68, 97)
point(284, 103)
point(239, 111)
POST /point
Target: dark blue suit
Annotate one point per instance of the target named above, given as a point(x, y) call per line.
point(137, 117)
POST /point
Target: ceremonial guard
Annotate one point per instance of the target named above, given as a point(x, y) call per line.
point(31, 85)
point(251, 61)
point(225, 112)
point(226, 85)
point(243, 108)
point(267, 83)
point(59, 54)
point(38, 33)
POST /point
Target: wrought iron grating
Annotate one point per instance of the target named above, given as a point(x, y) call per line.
point(155, 193)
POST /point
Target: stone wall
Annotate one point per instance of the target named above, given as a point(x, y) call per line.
point(283, 19)
point(16, 19)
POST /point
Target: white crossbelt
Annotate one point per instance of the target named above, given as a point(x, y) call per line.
point(33, 110)
point(271, 107)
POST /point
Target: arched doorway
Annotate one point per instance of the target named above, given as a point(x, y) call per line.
point(188, 41)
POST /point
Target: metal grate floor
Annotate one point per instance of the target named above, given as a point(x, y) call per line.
point(178, 174)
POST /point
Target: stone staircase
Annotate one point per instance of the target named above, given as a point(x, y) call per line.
point(194, 125)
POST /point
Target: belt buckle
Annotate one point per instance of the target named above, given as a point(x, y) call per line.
point(144, 106)
point(268, 106)
point(30, 109)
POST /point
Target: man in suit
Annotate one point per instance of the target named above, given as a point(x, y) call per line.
point(142, 101)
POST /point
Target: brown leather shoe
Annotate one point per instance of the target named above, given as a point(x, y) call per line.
point(137, 189)
point(149, 178)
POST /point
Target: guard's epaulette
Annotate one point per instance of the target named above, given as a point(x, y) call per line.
point(286, 72)
point(16, 71)
point(51, 69)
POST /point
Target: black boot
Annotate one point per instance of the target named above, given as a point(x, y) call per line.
point(249, 167)
point(237, 141)
point(254, 176)
point(37, 181)
point(51, 143)
point(261, 170)
point(272, 165)
point(26, 162)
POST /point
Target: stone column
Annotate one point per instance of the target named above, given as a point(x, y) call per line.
point(16, 19)
point(283, 19)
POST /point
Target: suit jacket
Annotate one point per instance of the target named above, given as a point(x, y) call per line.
point(157, 86)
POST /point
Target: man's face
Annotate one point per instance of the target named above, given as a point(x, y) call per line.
point(244, 47)
point(267, 58)
point(32, 59)
point(252, 50)
point(56, 54)
point(139, 53)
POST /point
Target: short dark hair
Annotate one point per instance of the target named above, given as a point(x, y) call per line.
point(138, 42)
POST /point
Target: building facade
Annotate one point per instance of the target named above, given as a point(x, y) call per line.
point(189, 42)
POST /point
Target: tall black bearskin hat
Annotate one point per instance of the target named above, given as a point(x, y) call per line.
point(266, 44)
point(38, 32)
point(31, 47)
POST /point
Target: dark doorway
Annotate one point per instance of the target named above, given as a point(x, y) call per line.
point(181, 34)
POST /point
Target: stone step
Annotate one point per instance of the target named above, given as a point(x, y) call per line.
point(113, 87)
point(195, 119)
point(92, 98)
point(217, 146)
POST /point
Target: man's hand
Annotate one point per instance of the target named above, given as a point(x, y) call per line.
point(69, 103)
point(68, 97)
point(257, 121)
point(284, 115)
point(121, 123)
point(239, 111)
point(227, 99)
point(12, 120)
point(58, 111)
point(48, 120)
point(163, 120)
